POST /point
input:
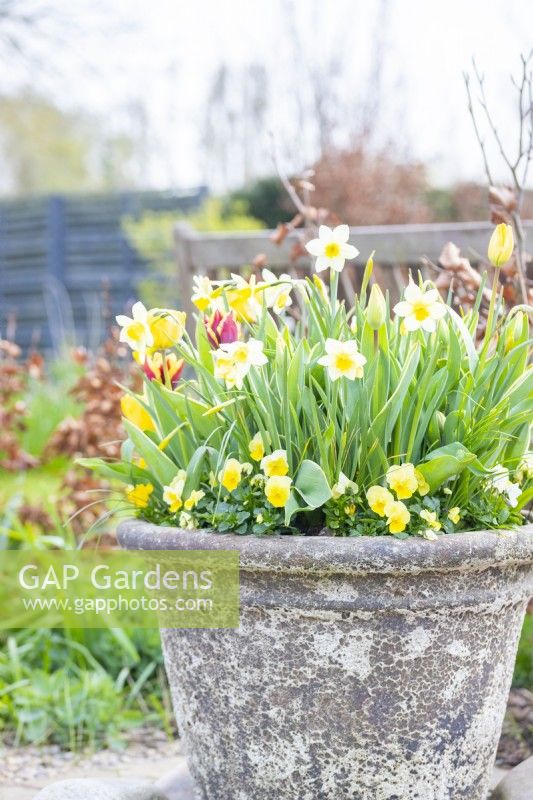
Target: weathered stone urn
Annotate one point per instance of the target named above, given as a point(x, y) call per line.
point(363, 669)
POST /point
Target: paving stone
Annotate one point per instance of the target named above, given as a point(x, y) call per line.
point(517, 784)
point(88, 789)
point(177, 784)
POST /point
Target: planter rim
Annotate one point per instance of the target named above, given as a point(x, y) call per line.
point(456, 552)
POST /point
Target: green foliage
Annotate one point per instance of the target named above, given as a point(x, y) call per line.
point(523, 674)
point(266, 200)
point(80, 688)
point(434, 401)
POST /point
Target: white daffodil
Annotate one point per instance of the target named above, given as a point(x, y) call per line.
point(277, 293)
point(331, 248)
point(234, 360)
point(503, 485)
point(343, 359)
point(203, 290)
point(135, 330)
point(420, 309)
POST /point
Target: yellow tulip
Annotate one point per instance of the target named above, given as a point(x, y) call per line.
point(133, 411)
point(378, 499)
point(140, 494)
point(277, 490)
point(167, 327)
point(501, 245)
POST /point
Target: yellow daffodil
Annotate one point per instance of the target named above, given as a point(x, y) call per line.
point(454, 514)
point(135, 412)
point(257, 447)
point(173, 494)
point(245, 298)
point(275, 464)
point(431, 518)
point(234, 360)
point(193, 499)
point(397, 516)
point(420, 309)
point(167, 327)
point(140, 494)
point(277, 292)
point(402, 480)
point(277, 490)
point(376, 310)
point(378, 499)
point(343, 359)
point(331, 248)
point(423, 485)
point(501, 245)
point(230, 476)
point(135, 330)
point(343, 486)
point(203, 292)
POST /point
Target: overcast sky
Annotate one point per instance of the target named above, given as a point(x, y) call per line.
point(162, 54)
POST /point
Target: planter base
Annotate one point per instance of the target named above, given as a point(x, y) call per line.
point(362, 670)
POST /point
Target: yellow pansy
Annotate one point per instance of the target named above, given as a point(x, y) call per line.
point(343, 359)
point(402, 480)
point(135, 412)
point(278, 489)
point(193, 499)
point(275, 464)
point(186, 521)
point(140, 494)
point(257, 447)
point(431, 518)
point(172, 494)
point(350, 509)
point(167, 327)
point(423, 485)
point(397, 516)
point(454, 514)
point(231, 475)
point(378, 499)
point(501, 245)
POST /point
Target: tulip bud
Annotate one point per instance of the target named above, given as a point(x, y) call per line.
point(221, 329)
point(501, 245)
point(376, 310)
point(167, 327)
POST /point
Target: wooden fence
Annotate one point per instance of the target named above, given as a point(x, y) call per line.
point(65, 262)
point(397, 248)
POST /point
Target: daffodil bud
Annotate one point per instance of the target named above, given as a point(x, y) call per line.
point(515, 330)
point(376, 310)
point(501, 245)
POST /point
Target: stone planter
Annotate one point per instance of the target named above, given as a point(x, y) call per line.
point(363, 669)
